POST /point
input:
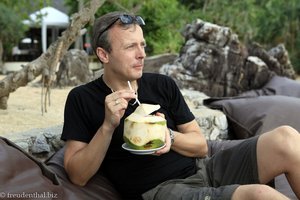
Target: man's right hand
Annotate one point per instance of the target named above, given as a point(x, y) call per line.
point(115, 105)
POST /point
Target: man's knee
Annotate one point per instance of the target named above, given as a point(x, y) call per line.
point(255, 192)
point(283, 138)
point(279, 144)
point(285, 129)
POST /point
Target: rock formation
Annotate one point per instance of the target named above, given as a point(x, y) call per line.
point(73, 69)
point(215, 62)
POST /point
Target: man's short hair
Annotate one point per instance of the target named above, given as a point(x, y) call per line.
point(101, 27)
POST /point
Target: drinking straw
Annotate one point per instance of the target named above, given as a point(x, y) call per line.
point(132, 89)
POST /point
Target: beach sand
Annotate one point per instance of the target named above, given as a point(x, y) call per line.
point(24, 109)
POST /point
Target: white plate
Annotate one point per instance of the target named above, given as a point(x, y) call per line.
point(141, 152)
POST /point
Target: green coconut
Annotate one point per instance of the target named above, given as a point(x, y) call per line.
point(143, 131)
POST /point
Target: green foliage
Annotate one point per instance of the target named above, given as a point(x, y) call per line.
point(281, 24)
point(24, 7)
point(268, 22)
point(11, 15)
point(164, 20)
point(11, 26)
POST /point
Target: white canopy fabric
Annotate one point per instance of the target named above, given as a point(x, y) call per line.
point(50, 17)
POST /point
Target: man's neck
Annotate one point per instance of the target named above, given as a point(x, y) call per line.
point(116, 84)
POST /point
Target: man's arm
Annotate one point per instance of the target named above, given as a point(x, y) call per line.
point(82, 160)
point(188, 141)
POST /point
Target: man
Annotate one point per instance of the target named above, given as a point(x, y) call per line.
point(94, 121)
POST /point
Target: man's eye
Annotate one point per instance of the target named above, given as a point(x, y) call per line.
point(130, 46)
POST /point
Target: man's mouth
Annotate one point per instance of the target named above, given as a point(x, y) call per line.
point(139, 65)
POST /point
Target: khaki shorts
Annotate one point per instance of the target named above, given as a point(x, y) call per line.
point(216, 178)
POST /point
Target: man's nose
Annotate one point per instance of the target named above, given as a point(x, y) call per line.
point(141, 52)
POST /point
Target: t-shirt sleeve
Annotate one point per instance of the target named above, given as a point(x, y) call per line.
point(75, 121)
point(174, 102)
point(179, 108)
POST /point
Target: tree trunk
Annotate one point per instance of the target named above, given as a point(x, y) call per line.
point(1, 55)
point(47, 62)
point(3, 99)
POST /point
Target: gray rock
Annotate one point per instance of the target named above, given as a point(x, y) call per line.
point(40, 142)
point(23, 145)
point(213, 123)
point(215, 62)
point(40, 145)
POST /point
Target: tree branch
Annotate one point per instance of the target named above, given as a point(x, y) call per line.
point(45, 63)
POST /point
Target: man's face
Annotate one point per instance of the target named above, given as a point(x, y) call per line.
point(126, 60)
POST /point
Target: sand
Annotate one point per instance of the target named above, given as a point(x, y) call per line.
point(24, 110)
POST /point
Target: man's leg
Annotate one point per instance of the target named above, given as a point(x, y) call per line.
point(238, 164)
point(278, 151)
point(257, 192)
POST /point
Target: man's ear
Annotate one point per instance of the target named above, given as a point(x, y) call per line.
point(102, 55)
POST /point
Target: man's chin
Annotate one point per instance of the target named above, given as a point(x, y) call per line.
point(139, 73)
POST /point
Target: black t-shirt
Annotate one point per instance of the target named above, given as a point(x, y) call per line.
point(131, 174)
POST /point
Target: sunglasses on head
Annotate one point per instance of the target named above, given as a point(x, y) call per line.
point(125, 19)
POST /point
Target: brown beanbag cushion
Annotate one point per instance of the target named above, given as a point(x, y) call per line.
point(278, 85)
point(24, 177)
point(283, 86)
point(99, 187)
point(249, 116)
point(257, 111)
